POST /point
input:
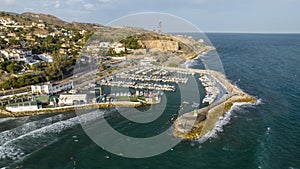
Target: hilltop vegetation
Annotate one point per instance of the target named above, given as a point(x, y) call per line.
point(28, 17)
point(23, 37)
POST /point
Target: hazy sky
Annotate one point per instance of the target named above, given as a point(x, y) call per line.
point(209, 15)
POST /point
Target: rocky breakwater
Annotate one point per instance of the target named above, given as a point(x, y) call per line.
point(4, 113)
point(190, 127)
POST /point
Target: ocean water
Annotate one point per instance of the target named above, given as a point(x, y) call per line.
point(265, 135)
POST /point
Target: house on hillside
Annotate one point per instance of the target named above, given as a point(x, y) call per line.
point(17, 54)
point(119, 47)
point(104, 45)
point(46, 57)
point(51, 88)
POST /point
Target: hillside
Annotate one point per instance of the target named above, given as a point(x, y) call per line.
point(57, 21)
point(35, 48)
point(28, 17)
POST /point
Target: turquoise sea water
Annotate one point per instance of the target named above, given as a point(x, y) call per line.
point(264, 136)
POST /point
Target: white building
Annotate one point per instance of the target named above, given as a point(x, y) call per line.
point(118, 58)
point(49, 88)
point(119, 47)
point(33, 62)
point(26, 59)
point(41, 25)
point(63, 86)
point(45, 88)
point(73, 99)
point(17, 54)
point(147, 61)
point(42, 35)
point(46, 57)
point(93, 48)
point(7, 21)
point(104, 45)
point(22, 108)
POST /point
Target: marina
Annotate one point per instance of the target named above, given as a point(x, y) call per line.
point(149, 78)
point(155, 74)
point(134, 85)
point(211, 89)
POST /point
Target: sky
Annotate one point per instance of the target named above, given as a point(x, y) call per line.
point(251, 16)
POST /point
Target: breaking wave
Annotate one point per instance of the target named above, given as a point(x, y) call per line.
point(28, 138)
point(27, 127)
point(223, 120)
point(189, 63)
point(6, 119)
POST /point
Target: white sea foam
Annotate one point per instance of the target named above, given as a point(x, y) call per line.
point(27, 127)
point(223, 120)
point(187, 64)
point(259, 101)
point(190, 63)
point(6, 119)
point(21, 119)
point(41, 137)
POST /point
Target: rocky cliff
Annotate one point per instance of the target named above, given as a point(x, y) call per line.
point(163, 45)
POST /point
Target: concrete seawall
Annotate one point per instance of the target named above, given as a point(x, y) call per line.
point(70, 108)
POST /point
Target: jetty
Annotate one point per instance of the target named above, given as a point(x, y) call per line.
point(190, 126)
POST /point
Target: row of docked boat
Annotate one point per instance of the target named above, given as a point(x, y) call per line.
point(211, 89)
point(134, 85)
point(152, 74)
point(143, 78)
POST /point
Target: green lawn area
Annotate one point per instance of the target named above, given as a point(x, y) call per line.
point(43, 99)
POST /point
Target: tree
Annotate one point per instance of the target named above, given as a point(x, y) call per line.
point(13, 67)
point(59, 66)
point(111, 52)
point(102, 66)
point(172, 64)
point(131, 43)
point(25, 80)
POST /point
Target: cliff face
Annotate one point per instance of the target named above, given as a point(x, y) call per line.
point(163, 45)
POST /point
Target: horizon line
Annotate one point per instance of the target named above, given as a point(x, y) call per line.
point(233, 32)
point(224, 32)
